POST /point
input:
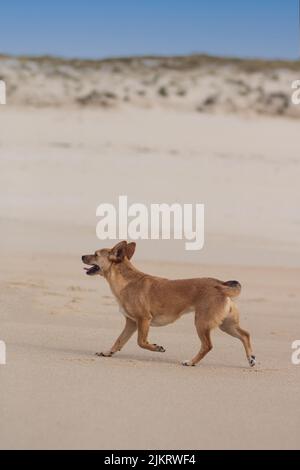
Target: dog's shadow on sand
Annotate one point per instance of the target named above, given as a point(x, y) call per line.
point(132, 358)
point(90, 357)
point(207, 365)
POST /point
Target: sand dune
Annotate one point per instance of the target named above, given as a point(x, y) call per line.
point(197, 83)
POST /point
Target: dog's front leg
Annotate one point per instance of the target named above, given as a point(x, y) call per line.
point(143, 330)
point(129, 329)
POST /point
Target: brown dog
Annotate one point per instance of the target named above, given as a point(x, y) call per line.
point(154, 301)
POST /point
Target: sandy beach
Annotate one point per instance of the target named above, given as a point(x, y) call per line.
point(56, 166)
point(56, 394)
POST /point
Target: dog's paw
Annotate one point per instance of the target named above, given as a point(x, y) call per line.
point(104, 354)
point(252, 361)
point(188, 364)
point(159, 348)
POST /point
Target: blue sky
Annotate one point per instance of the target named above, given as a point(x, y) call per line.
point(104, 28)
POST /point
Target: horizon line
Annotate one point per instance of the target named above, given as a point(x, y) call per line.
point(147, 56)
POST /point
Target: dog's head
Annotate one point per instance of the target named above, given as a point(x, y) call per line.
point(102, 260)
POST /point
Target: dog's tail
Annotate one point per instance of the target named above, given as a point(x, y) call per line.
point(231, 288)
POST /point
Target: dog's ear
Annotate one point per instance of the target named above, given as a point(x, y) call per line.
point(130, 249)
point(118, 252)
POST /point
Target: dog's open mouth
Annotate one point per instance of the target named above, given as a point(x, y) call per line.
point(93, 270)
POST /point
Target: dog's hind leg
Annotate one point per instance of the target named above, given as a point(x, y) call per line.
point(203, 331)
point(129, 329)
point(231, 326)
point(143, 330)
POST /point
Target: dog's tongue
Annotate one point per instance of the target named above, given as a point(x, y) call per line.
point(92, 269)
